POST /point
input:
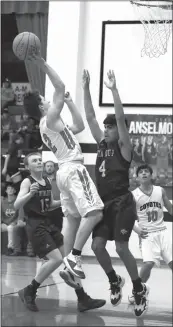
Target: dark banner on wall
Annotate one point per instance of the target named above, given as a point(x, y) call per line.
point(151, 137)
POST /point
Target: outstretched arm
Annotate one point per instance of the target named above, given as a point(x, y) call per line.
point(78, 125)
point(89, 109)
point(126, 146)
point(58, 99)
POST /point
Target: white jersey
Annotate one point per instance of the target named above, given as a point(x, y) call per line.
point(64, 144)
point(150, 209)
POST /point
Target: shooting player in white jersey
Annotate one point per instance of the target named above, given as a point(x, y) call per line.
point(150, 203)
point(78, 194)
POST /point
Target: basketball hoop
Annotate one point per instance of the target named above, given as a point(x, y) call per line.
point(156, 17)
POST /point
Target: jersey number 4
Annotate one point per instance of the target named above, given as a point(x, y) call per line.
point(152, 215)
point(102, 169)
point(45, 204)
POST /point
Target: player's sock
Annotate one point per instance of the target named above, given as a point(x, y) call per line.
point(137, 285)
point(76, 252)
point(35, 285)
point(113, 278)
point(80, 293)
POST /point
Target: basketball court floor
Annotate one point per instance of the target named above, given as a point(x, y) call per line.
point(57, 301)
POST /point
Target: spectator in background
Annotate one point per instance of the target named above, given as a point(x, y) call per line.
point(8, 125)
point(10, 170)
point(7, 94)
point(50, 172)
point(11, 220)
point(163, 150)
point(30, 127)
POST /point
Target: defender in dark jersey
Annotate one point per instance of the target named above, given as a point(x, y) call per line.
point(36, 198)
point(114, 157)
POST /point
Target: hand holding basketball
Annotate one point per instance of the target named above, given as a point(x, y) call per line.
point(34, 188)
point(111, 84)
point(85, 79)
point(36, 59)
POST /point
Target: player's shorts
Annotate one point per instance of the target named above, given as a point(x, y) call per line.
point(44, 236)
point(119, 216)
point(78, 192)
point(156, 246)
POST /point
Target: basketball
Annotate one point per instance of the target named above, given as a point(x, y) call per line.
point(25, 44)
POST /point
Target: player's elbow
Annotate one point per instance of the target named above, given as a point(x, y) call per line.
point(60, 87)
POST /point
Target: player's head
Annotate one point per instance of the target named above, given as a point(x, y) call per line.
point(111, 130)
point(35, 105)
point(144, 173)
point(10, 189)
point(33, 162)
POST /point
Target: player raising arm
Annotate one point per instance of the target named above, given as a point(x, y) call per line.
point(113, 161)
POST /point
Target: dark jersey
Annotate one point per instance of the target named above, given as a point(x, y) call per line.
point(112, 171)
point(39, 204)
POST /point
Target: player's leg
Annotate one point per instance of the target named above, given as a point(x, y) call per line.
point(166, 246)
point(84, 302)
point(145, 271)
point(125, 219)
point(89, 205)
point(100, 237)
point(43, 245)
point(150, 252)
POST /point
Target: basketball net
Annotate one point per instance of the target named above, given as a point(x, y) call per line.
point(156, 17)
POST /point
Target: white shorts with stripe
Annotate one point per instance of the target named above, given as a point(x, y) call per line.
point(156, 246)
point(78, 192)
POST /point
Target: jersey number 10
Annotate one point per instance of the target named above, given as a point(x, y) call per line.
point(152, 215)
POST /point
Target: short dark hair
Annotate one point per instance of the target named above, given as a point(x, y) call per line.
point(7, 184)
point(25, 161)
point(142, 167)
point(49, 161)
point(111, 120)
point(32, 100)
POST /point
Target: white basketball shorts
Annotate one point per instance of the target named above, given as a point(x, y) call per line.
point(156, 246)
point(78, 193)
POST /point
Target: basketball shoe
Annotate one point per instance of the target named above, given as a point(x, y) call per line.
point(116, 291)
point(74, 265)
point(28, 296)
point(86, 303)
point(141, 301)
point(69, 278)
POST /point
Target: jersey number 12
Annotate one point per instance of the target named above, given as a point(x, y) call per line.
point(102, 169)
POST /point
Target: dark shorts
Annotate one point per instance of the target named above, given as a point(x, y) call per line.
point(119, 216)
point(44, 236)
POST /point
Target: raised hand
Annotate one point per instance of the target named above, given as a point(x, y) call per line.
point(111, 84)
point(67, 97)
point(36, 59)
point(85, 79)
